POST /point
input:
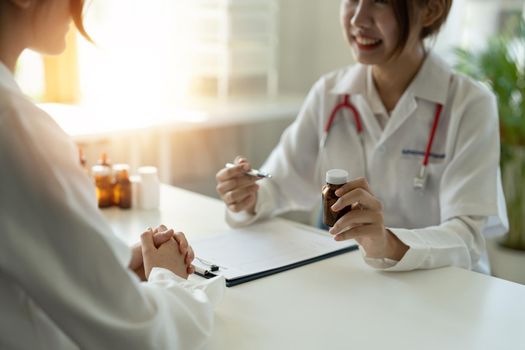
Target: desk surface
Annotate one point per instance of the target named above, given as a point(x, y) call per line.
point(341, 303)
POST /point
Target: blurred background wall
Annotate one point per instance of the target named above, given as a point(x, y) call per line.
point(186, 85)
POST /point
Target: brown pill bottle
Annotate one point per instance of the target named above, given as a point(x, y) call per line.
point(335, 178)
point(104, 187)
point(122, 188)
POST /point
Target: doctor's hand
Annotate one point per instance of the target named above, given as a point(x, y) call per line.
point(365, 222)
point(161, 234)
point(238, 190)
point(167, 255)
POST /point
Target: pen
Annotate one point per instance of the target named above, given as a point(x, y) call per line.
point(253, 172)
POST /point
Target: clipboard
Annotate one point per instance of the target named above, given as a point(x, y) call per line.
point(250, 253)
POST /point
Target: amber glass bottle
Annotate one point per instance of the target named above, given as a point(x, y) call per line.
point(335, 178)
point(122, 187)
point(103, 183)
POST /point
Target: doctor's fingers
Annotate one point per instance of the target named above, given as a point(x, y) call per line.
point(359, 231)
point(240, 160)
point(236, 183)
point(239, 194)
point(229, 173)
point(360, 182)
point(244, 204)
point(357, 218)
point(360, 196)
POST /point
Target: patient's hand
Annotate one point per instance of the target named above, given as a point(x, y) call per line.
point(160, 235)
point(168, 255)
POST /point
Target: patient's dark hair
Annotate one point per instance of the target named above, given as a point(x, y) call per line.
point(77, 14)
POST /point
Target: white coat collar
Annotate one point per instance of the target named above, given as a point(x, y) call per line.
point(352, 82)
point(431, 82)
point(7, 80)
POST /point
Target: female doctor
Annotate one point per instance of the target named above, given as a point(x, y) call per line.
point(66, 282)
point(420, 140)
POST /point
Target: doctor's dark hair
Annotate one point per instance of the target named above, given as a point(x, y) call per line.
point(405, 10)
point(77, 14)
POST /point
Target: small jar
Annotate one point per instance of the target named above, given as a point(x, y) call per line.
point(103, 183)
point(149, 189)
point(122, 192)
point(335, 178)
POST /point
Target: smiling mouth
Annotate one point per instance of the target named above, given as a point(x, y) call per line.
point(366, 43)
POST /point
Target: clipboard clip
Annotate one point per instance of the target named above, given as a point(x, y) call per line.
point(209, 271)
point(212, 266)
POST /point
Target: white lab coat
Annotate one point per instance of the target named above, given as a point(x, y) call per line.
point(443, 225)
point(64, 282)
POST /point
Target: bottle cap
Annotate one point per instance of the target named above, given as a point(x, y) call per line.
point(147, 170)
point(336, 176)
point(120, 167)
point(100, 170)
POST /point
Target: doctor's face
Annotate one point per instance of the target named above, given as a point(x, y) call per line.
point(372, 31)
point(51, 20)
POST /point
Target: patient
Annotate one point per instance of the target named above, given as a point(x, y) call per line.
point(66, 281)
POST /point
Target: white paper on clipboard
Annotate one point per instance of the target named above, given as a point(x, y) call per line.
point(263, 247)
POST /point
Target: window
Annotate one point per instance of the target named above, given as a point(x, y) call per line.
point(159, 52)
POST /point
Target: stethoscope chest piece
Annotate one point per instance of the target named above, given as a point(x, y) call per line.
point(420, 180)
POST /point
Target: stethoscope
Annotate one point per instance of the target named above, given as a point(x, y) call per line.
point(421, 177)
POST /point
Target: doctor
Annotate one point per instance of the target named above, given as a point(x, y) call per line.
point(66, 281)
point(420, 141)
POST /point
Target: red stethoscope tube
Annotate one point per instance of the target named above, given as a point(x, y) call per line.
point(420, 179)
point(439, 108)
point(340, 106)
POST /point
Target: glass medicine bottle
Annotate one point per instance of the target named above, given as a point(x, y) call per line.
point(122, 187)
point(335, 178)
point(103, 183)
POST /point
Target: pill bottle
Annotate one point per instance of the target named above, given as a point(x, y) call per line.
point(149, 189)
point(335, 178)
point(122, 191)
point(104, 187)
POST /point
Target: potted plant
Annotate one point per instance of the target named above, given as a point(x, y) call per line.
point(502, 66)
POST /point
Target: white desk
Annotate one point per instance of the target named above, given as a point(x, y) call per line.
point(341, 303)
